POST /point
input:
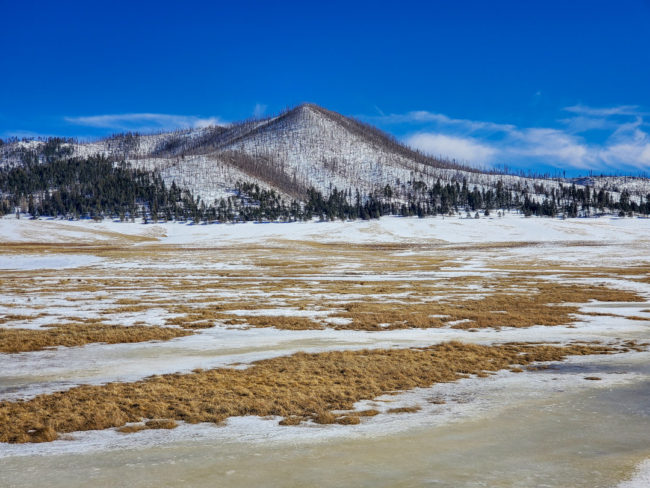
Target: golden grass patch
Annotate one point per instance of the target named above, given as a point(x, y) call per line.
point(200, 297)
point(279, 322)
point(298, 387)
point(161, 424)
point(130, 429)
point(127, 309)
point(525, 305)
point(413, 409)
point(69, 335)
point(12, 317)
point(515, 301)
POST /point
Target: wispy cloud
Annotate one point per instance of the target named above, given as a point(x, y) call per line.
point(259, 110)
point(580, 123)
point(27, 134)
point(624, 143)
point(144, 121)
point(423, 116)
point(605, 111)
point(629, 146)
point(463, 149)
point(584, 118)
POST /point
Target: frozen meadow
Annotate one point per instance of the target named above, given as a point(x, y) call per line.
point(255, 291)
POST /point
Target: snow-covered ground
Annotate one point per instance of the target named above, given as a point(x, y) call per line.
point(510, 228)
point(594, 440)
point(47, 262)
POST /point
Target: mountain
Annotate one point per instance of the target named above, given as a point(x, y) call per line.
point(302, 148)
point(305, 147)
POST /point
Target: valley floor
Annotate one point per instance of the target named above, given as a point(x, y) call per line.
point(523, 396)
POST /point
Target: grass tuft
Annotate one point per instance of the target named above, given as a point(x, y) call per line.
point(298, 387)
point(70, 335)
point(413, 409)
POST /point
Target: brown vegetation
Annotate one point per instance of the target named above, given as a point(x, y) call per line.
point(161, 424)
point(413, 409)
point(69, 335)
point(519, 303)
point(279, 322)
point(12, 317)
point(514, 294)
point(542, 303)
point(298, 387)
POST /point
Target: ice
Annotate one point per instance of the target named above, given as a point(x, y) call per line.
point(640, 479)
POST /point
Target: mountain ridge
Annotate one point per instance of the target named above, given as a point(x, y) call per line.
point(305, 147)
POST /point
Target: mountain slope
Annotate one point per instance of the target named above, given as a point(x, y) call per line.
point(306, 147)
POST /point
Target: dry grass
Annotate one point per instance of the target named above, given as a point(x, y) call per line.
point(195, 317)
point(70, 335)
point(541, 303)
point(371, 412)
point(279, 322)
point(437, 401)
point(520, 302)
point(130, 429)
point(413, 409)
point(143, 307)
point(348, 420)
point(298, 276)
point(161, 424)
point(12, 317)
point(311, 276)
point(298, 387)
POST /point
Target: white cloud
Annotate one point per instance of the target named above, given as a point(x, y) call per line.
point(604, 111)
point(144, 121)
point(630, 146)
point(623, 145)
point(259, 110)
point(462, 149)
point(422, 116)
point(637, 156)
point(582, 123)
point(551, 145)
point(599, 118)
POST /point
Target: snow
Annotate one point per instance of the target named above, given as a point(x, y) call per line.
point(511, 228)
point(27, 374)
point(469, 402)
point(24, 263)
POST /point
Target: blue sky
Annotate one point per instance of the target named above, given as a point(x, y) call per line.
point(543, 86)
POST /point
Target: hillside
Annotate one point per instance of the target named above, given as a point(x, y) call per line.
point(311, 149)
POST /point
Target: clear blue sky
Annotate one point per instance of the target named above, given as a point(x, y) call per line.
point(560, 85)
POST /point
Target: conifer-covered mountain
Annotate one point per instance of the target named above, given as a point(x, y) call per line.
point(306, 160)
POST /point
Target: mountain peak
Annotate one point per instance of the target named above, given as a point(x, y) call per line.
point(307, 108)
point(308, 105)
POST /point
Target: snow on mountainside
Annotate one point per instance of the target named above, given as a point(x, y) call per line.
point(305, 147)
